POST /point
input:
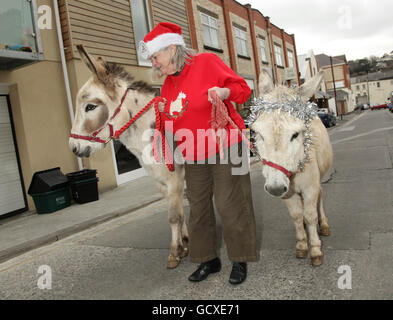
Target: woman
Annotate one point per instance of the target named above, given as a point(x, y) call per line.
point(190, 80)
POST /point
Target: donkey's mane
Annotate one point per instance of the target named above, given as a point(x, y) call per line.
point(118, 72)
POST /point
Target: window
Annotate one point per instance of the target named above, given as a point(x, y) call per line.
point(364, 86)
point(262, 43)
point(378, 84)
point(141, 24)
point(357, 87)
point(290, 59)
point(278, 54)
point(210, 31)
point(250, 100)
point(241, 42)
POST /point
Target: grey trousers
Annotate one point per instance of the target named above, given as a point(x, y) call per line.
point(233, 200)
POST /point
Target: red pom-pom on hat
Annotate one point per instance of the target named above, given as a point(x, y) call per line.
point(163, 35)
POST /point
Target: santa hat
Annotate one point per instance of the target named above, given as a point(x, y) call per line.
point(163, 35)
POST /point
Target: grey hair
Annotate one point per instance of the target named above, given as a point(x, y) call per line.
point(181, 57)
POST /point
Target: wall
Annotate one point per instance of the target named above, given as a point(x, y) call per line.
point(377, 95)
point(338, 75)
point(246, 67)
point(217, 10)
point(40, 112)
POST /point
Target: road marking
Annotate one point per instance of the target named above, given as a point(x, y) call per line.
point(337, 129)
point(362, 135)
point(350, 128)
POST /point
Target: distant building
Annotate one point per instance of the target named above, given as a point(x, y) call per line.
point(341, 83)
point(385, 63)
point(374, 88)
point(308, 67)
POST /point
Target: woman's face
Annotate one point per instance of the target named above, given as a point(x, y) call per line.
point(162, 60)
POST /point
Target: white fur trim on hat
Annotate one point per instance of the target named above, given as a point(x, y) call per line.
point(146, 49)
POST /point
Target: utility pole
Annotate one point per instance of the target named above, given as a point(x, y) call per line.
point(334, 86)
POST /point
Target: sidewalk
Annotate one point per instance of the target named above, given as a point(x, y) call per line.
point(31, 230)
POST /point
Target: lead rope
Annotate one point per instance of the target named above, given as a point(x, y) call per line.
point(158, 132)
point(220, 120)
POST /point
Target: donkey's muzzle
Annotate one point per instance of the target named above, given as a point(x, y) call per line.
point(276, 191)
point(82, 153)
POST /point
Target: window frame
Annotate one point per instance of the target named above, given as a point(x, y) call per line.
point(277, 46)
point(141, 61)
point(263, 49)
point(291, 58)
point(210, 28)
point(239, 34)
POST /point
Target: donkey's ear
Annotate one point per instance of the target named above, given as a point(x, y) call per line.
point(96, 67)
point(308, 89)
point(266, 84)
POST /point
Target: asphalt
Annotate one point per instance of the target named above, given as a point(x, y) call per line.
point(30, 230)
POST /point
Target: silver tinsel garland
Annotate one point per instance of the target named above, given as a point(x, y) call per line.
point(296, 108)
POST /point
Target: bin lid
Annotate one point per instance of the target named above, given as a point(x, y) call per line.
point(47, 180)
point(82, 173)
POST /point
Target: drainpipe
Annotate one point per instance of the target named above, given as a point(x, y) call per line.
point(65, 72)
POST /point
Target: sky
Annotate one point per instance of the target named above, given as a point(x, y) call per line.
point(356, 28)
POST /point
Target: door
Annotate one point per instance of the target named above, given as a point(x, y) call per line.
point(127, 166)
point(12, 193)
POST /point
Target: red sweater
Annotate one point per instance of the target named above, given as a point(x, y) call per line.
point(189, 110)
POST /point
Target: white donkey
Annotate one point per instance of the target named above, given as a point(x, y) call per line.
point(297, 153)
point(103, 107)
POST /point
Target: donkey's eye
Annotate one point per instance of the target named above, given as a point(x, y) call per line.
point(295, 135)
point(90, 107)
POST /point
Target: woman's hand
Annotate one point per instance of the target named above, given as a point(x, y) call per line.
point(223, 93)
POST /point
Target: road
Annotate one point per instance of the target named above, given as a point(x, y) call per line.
point(125, 258)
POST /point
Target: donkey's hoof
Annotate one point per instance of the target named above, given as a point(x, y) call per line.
point(324, 231)
point(316, 261)
point(173, 262)
point(184, 252)
point(301, 254)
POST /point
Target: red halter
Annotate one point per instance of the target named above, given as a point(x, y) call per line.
point(159, 129)
point(278, 167)
point(93, 137)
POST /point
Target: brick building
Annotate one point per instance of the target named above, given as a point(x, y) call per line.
point(337, 77)
point(245, 39)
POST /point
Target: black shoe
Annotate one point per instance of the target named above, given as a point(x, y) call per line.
point(205, 269)
point(239, 273)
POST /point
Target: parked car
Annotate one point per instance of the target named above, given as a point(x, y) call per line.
point(379, 106)
point(365, 106)
point(327, 117)
point(390, 106)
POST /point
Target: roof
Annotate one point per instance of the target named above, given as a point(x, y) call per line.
point(375, 76)
point(320, 95)
point(324, 60)
point(342, 58)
